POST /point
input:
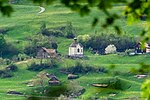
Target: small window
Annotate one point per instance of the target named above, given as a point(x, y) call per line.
point(81, 50)
point(78, 50)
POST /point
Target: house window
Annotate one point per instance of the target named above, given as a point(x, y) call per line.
point(78, 50)
point(81, 50)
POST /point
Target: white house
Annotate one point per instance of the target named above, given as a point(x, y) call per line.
point(147, 46)
point(76, 49)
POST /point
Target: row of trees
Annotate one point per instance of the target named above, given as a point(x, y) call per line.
point(38, 41)
point(19, 2)
point(67, 31)
point(6, 49)
point(98, 43)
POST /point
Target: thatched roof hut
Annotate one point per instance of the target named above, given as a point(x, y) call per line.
point(102, 85)
point(72, 76)
point(54, 80)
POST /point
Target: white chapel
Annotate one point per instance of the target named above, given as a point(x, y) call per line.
point(76, 49)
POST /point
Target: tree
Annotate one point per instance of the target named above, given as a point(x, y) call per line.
point(2, 44)
point(37, 42)
point(40, 80)
point(69, 30)
point(99, 42)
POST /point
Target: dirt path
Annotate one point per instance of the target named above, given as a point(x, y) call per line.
point(21, 62)
point(42, 9)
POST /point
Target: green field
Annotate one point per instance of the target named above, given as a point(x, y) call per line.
point(26, 21)
point(122, 65)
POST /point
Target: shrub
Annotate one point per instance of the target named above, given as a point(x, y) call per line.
point(98, 43)
point(31, 50)
point(54, 45)
point(53, 32)
point(128, 51)
point(3, 31)
point(11, 68)
point(67, 31)
point(117, 83)
point(5, 61)
point(74, 89)
point(79, 68)
point(37, 67)
point(5, 74)
point(84, 39)
point(40, 67)
point(22, 57)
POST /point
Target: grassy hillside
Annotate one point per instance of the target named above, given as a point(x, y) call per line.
point(131, 84)
point(26, 21)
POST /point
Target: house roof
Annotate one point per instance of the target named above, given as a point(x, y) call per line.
point(147, 45)
point(74, 44)
point(49, 51)
point(54, 79)
point(50, 75)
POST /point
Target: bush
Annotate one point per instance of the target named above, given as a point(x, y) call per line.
point(22, 57)
point(98, 43)
point(79, 68)
point(67, 31)
point(53, 32)
point(5, 61)
point(3, 31)
point(5, 74)
point(74, 89)
point(12, 68)
point(40, 67)
point(8, 71)
point(31, 50)
point(117, 83)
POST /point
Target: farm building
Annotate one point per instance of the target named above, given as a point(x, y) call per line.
point(76, 49)
point(54, 80)
point(146, 49)
point(46, 53)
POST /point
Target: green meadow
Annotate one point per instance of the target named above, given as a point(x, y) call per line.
point(25, 22)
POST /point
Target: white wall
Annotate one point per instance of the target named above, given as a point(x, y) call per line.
point(147, 50)
point(80, 50)
point(74, 50)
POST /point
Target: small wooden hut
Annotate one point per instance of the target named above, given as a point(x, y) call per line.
point(54, 80)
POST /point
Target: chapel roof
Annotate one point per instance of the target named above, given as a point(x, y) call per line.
point(75, 43)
